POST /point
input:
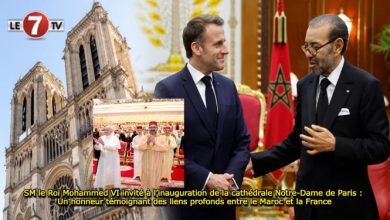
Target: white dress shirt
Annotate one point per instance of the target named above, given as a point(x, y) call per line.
point(333, 78)
point(197, 77)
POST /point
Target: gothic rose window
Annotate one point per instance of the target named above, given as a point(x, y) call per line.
point(64, 211)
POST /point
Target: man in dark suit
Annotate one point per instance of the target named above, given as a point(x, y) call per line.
point(216, 138)
point(340, 127)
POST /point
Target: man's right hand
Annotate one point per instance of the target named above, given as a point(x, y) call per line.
point(220, 182)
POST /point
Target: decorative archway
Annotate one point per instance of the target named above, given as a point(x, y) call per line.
point(58, 179)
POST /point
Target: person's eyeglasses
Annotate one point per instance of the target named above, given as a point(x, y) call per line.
point(314, 50)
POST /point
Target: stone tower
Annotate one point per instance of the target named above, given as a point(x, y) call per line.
point(50, 138)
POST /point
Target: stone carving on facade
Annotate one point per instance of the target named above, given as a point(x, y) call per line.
point(86, 152)
point(70, 159)
point(100, 15)
point(42, 173)
point(23, 204)
point(34, 141)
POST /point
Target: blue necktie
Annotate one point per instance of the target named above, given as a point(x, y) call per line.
point(323, 102)
point(211, 103)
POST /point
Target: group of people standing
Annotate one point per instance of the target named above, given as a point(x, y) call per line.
point(153, 155)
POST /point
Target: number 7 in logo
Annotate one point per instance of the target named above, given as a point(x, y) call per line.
point(37, 20)
point(35, 24)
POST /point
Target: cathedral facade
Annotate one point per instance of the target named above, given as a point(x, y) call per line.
point(51, 134)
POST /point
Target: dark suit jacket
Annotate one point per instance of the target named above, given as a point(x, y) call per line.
point(227, 152)
point(223, 151)
point(361, 139)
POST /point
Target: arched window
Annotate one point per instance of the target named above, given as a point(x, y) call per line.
point(24, 114)
point(95, 58)
point(83, 66)
point(64, 211)
point(32, 107)
point(88, 120)
point(46, 149)
point(53, 105)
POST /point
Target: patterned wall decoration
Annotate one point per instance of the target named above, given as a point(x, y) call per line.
point(161, 24)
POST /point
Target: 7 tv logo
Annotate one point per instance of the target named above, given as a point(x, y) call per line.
point(35, 25)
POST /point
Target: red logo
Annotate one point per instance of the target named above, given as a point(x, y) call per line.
point(35, 24)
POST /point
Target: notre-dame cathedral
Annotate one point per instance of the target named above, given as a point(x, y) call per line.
point(50, 140)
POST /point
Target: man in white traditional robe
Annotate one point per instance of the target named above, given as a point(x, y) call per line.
point(108, 173)
point(137, 157)
point(152, 158)
point(170, 142)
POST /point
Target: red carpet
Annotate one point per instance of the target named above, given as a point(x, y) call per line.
point(127, 173)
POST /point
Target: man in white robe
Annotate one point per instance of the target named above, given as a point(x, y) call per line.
point(152, 158)
point(108, 173)
point(137, 157)
point(170, 142)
